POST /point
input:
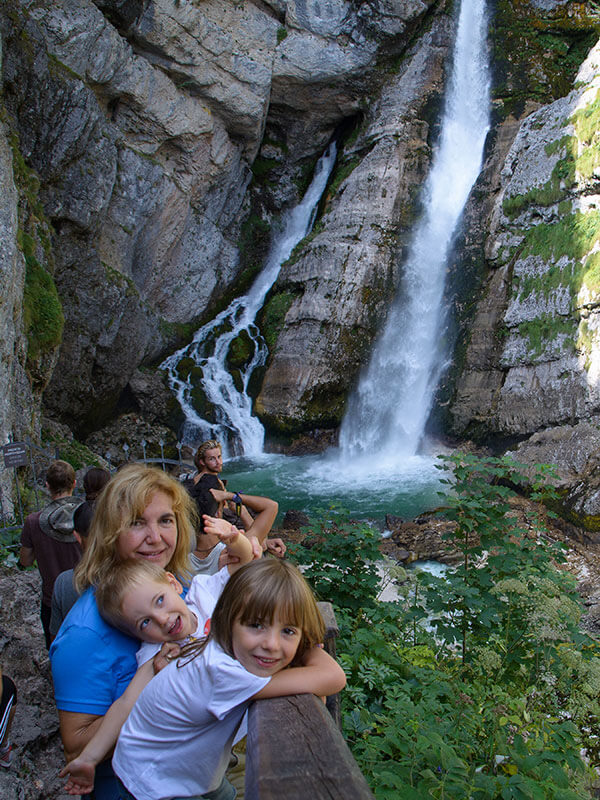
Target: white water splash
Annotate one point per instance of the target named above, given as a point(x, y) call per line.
point(236, 428)
point(388, 412)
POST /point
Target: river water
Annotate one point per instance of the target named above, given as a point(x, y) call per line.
point(313, 483)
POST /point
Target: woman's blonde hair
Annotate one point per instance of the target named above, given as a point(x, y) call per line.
point(125, 577)
point(121, 502)
point(256, 593)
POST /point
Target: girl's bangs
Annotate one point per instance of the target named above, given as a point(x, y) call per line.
point(258, 605)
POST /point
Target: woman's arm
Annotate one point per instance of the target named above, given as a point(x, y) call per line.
point(320, 675)
point(76, 730)
point(104, 734)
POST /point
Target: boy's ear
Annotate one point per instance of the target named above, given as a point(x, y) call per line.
point(174, 582)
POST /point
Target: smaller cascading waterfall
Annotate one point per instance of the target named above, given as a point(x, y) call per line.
point(388, 412)
point(235, 427)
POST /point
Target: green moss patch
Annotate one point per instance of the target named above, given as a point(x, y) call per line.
point(240, 350)
point(572, 236)
point(272, 316)
point(73, 451)
point(591, 272)
point(546, 328)
point(42, 309)
point(537, 56)
point(343, 171)
point(262, 167)
point(553, 191)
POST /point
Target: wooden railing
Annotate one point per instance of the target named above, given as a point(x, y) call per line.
point(295, 749)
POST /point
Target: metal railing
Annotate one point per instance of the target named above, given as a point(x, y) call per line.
point(29, 476)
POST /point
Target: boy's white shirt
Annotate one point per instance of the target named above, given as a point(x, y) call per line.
point(201, 598)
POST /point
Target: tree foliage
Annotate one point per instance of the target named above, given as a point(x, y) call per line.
point(477, 684)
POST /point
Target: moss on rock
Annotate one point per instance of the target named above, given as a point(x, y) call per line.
point(240, 350)
point(42, 309)
point(272, 316)
point(43, 314)
point(536, 54)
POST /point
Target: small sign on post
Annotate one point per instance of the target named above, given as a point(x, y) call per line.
point(15, 454)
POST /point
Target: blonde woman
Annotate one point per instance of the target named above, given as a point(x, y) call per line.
point(141, 514)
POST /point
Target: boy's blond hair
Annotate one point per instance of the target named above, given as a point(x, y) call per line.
point(121, 502)
point(126, 577)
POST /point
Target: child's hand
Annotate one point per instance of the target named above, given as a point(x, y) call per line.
point(221, 528)
point(81, 776)
point(168, 652)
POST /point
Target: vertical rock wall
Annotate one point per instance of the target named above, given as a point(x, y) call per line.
point(17, 396)
point(341, 279)
point(142, 121)
point(533, 360)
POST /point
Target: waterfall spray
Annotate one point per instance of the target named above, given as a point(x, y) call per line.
point(235, 426)
point(388, 412)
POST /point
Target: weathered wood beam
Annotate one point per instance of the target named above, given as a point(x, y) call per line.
point(295, 751)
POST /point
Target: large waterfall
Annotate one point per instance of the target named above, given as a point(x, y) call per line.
point(235, 426)
point(388, 411)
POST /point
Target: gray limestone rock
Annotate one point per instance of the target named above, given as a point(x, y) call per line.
point(142, 120)
point(16, 396)
point(344, 274)
point(534, 354)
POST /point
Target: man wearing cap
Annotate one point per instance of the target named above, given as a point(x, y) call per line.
point(48, 538)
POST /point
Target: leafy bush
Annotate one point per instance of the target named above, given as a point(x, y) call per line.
point(477, 684)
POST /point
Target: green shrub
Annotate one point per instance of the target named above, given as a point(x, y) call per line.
point(477, 684)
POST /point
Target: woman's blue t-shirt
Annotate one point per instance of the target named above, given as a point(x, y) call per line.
point(92, 662)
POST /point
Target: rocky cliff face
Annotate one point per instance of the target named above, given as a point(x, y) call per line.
point(341, 279)
point(531, 366)
point(540, 366)
point(142, 121)
point(12, 340)
point(165, 138)
point(28, 340)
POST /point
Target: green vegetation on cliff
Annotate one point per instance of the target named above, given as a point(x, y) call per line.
point(536, 53)
point(272, 315)
point(562, 252)
point(42, 310)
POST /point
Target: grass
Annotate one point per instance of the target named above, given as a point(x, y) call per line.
point(546, 328)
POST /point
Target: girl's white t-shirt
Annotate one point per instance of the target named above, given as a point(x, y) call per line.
point(202, 598)
point(177, 740)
